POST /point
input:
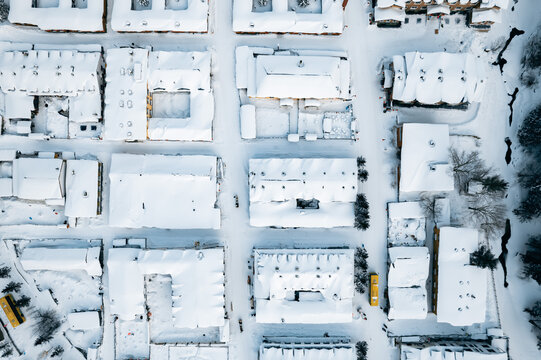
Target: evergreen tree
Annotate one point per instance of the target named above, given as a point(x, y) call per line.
point(4, 11)
point(483, 258)
point(23, 301)
point(529, 132)
point(12, 286)
point(4, 272)
point(494, 184)
point(57, 351)
point(362, 350)
point(360, 262)
point(532, 259)
point(535, 310)
point(361, 280)
point(362, 215)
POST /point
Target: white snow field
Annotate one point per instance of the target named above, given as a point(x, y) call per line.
point(483, 126)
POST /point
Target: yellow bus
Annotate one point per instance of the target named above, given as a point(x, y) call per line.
point(14, 314)
point(374, 290)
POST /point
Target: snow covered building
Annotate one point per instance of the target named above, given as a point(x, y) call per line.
point(168, 192)
point(424, 164)
point(452, 349)
point(60, 15)
point(481, 14)
point(306, 349)
point(310, 192)
point(406, 224)
point(459, 289)
point(438, 79)
point(294, 94)
point(53, 179)
point(62, 259)
point(160, 16)
point(158, 95)
point(289, 16)
point(176, 292)
point(48, 92)
point(188, 352)
point(196, 284)
point(303, 286)
point(408, 273)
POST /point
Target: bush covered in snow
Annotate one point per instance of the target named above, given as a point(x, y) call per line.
point(483, 258)
point(532, 259)
point(362, 215)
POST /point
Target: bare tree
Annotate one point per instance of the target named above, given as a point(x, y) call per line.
point(46, 325)
point(468, 166)
point(487, 213)
point(429, 205)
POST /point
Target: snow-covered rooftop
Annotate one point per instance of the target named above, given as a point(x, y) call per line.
point(408, 272)
point(85, 320)
point(285, 16)
point(408, 352)
point(160, 15)
point(50, 72)
point(304, 351)
point(197, 283)
point(64, 15)
point(425, 158)
point(266, 73)
point(438, 78)
point(62, 259)
point(171, 192)
point(188, 352)
point(39, 179)
point(408, 266)
point(132, 74)
point(81, 188)
point(310, 286)
point(462, 288)
point(407, 223)
point(312, 192)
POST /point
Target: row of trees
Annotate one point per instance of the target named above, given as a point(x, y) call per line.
point(531, 61)
point(529, 178)
point(360, 265)
point(529, 135)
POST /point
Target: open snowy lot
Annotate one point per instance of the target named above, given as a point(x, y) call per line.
point(218, 29)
